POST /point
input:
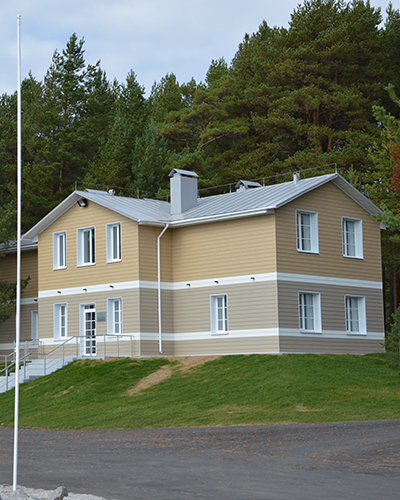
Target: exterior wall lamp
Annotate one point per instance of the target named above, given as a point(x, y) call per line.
point(82, 202)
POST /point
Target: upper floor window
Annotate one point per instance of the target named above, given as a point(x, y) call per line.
point(86, 246)
point(310, 312)
point(60, 321)
point(352, 238)
point(60, 250)
point(307, 231)
point(355, 315)
point(114, 242)
point(219, 314)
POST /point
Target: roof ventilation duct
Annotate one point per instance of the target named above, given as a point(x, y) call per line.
point(296, 177)
point(243, 185)
point(183, 185)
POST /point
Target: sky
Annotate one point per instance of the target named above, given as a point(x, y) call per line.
point(150, 37)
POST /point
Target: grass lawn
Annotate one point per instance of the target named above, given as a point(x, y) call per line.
point(231, 390)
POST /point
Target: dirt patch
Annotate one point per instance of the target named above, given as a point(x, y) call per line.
point(184, 365)
point(153, 379)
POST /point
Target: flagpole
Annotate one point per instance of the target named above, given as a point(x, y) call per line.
point(18, 288)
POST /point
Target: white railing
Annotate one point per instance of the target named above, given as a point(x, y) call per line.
point(75, 347)
point(9, 368)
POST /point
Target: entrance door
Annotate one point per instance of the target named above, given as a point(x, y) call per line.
point(89, 330)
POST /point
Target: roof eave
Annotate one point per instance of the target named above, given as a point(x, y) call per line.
point(356, 196)
point(222, 217)
point(57, 212)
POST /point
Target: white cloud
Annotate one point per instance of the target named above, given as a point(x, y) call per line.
point(152, 37)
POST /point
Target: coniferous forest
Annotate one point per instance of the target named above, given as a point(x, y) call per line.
point(321, 92)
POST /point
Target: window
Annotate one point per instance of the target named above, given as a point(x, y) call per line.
point(352, 238)
point(114, 242)
point(114, 307)
point(34, 325)
point(60, 321)
point(355, 315)
point(60, 250)
point(310, 312)
point(307, 231)
point(219, 314)
point(86, 246)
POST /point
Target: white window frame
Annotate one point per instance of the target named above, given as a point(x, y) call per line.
point(113, 256)
point(35, 325)
point(314, 240)
point(316, 312)
point(219, 325)
point(112, 325)
point(81, 246)
point(361, 315)
point(60, 243)
point(60, 329)
point(358, 239)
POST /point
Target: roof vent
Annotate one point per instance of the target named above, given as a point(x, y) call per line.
point(183, 185)
point(296, 177)
point(243, 185)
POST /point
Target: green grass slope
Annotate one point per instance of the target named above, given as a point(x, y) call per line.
point(231, 390)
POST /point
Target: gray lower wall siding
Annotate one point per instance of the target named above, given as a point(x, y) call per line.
point(320, 345)
point(332, 305)
point(149, 310)
point(253, 323)
point(7, 329)
point(130, 312)
point(226, 345)
point(250, 306)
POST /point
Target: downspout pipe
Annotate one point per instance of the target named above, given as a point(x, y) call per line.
point(159, 287)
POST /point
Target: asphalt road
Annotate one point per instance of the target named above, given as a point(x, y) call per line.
point(349, 460)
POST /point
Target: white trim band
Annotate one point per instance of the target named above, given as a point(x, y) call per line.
point(212, 282)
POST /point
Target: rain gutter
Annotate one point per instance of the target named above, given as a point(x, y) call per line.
point(159, 288)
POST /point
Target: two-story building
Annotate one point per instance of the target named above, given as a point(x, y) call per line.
point(292, 267)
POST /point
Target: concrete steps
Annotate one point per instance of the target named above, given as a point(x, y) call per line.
point(34, 369)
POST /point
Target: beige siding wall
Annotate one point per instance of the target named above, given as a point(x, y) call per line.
point(148, 253)
point(333, 346)
point(111, 349)
point(212, 346)
point(331, 204)
point(252, 306)
point(332, 305)
point(78, 217)
point(149, 310)
point(29, 268)
point(230, 248)
point(7, 329)
point(130, 312)
point(226, 345)
point(149, 348)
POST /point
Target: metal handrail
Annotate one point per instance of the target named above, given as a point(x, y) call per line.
point(106, 338)
point(13, 363)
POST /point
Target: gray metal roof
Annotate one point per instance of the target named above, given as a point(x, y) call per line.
point(188, 173)
point(231, 205)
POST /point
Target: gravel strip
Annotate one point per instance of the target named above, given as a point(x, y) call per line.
point(22, 493)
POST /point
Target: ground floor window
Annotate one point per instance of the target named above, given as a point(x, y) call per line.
point(310, 311)
point(219, 314)
point(34, 325)
point(355, 315)
point(114, 324)
point(60, 321)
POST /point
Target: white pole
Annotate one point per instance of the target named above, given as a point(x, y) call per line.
point(159, 288)
point(18, 290)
